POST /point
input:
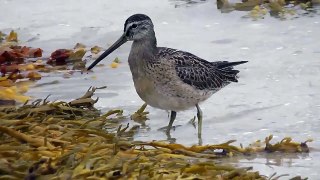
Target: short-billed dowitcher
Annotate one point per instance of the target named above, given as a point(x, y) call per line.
point(167, 78)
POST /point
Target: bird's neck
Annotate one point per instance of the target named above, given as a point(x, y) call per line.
point(143, 52)
point(145, 47)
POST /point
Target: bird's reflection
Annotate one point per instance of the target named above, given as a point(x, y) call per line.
point(173, 140)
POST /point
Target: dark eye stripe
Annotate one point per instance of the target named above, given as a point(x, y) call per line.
point(134, 26)
point(128, 33)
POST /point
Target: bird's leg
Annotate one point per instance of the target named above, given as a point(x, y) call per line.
point(172, 118)
point(173, 115)
point(199, 115)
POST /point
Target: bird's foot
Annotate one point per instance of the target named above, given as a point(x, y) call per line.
point(167, 128)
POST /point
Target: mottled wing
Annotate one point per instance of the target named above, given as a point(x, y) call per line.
point(198, 72)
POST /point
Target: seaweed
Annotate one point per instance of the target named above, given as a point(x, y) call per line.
point(258, 9)
point(72, 140)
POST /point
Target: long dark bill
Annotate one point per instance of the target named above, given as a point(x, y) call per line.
point(114, 46)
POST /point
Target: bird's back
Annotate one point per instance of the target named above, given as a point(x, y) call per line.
point(199, 73)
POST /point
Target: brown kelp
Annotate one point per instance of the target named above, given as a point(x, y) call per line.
point(72, 140)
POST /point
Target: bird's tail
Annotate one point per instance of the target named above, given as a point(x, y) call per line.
point(225, 64)
point(226, 70)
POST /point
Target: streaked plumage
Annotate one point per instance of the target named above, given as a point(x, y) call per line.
point(167, 78)
point(200, 73)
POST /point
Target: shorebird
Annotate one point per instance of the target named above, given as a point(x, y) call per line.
point(167, 78)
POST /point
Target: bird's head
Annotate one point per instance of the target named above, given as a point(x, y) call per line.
point(136, 27)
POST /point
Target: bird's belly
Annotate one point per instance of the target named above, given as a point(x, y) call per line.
point(162, 98)
point(172, 103)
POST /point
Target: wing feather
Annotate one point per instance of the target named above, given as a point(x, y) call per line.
point(200, 73)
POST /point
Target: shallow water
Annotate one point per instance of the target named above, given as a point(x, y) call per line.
point(277, 93)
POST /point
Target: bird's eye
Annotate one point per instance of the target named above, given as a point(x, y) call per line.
point(134, 25)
